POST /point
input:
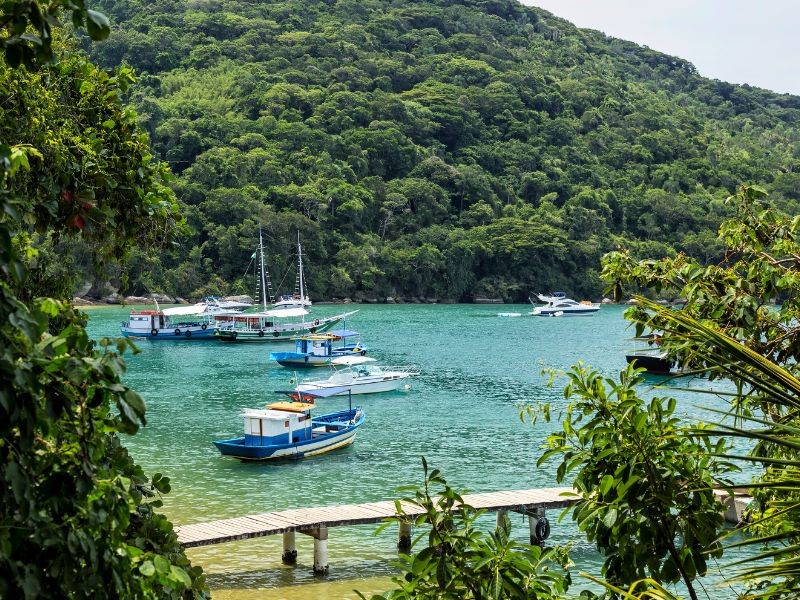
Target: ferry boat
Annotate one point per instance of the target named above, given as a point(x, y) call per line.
point(196, 322)
point(272, 325)
point(287, 430)
point(164, 325)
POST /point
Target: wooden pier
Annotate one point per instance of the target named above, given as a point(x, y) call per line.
point(316, 521)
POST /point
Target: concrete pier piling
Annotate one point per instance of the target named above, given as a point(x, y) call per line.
point(404, 536)
point(289, 556)
point(321, 551)
point(501, 515)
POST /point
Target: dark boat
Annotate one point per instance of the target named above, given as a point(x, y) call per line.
point(651, 357)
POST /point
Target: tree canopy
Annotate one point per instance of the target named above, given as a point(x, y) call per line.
point(376, 128)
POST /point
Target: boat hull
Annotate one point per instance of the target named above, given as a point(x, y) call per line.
point(657, 364)
point(171, 334)
point(304, 360)
point(356, 387)
point(275, 333)
point(561, 312)
point(296, 360)
point(345, 422)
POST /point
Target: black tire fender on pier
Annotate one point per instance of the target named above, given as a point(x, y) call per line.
point(177, 332)
point(203, 326)
point(542, 529)
point(260, 333)
point(188, 333)
point(275, 334)
point(154, 331)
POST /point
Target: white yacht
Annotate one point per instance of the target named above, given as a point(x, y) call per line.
point(558, 305)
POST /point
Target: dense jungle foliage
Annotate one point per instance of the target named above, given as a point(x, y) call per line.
point(78, 517)
point(439, 149)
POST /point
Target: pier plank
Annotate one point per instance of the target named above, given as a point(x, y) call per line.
point(304, 519)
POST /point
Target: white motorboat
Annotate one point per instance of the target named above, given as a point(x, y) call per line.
point(558, 305)
point(359, 376)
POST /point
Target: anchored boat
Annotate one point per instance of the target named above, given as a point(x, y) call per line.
point(358, 376)
point(558, 305)
point(177, 323)
point(287, 430)
point(298, 299)
point(276, 325)
point(319, 349)
point(650, 356)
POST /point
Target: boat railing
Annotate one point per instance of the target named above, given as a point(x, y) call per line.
point(410, 369)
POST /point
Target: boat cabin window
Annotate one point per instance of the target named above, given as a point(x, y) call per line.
point(253, 426)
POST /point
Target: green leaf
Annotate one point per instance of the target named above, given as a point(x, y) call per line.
point(180, 575)
point(98, 25)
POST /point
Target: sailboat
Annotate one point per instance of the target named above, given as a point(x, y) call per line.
point(299, 299)
point(271, 324)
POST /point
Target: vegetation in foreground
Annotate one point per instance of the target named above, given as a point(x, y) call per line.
point(78, 517)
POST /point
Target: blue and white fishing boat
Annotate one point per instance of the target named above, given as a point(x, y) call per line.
point(319, 349)
point(558, 305)
point(286, 430)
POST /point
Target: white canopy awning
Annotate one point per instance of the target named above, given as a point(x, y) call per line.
point(352, 360)
point(283, 313)
point(195, 309)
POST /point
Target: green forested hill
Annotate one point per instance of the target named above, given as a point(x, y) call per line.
point(438, 149)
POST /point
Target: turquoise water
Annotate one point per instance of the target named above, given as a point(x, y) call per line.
point(461, 413)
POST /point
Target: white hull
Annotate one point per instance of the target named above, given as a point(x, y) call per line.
point(358, 385)
point(586, 311)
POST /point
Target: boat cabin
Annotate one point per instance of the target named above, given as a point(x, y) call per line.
point(319, 344)
point(277, 424)
point(145, 321)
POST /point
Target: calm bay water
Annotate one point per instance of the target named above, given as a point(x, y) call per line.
point(461, 413)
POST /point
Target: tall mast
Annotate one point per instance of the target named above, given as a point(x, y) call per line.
point(263, 275)
point(300, 270)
